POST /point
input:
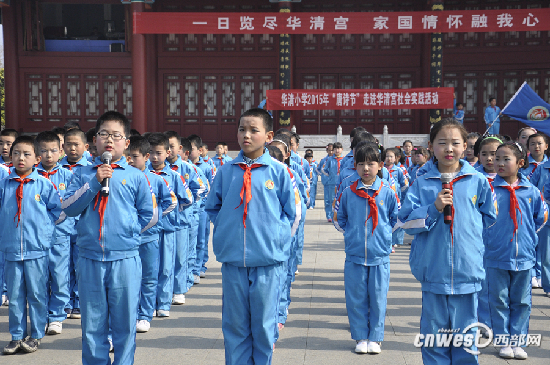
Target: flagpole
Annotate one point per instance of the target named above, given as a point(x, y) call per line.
point(506, 106)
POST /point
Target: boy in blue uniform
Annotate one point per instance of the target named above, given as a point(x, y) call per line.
point(458, 110)
point(4, 172)
point(166, 201)
point(332, 169)
point(109, 231)
point(58, 281)
point(252, 240)
point(220, 157)
point(171, 223)
point(7, 137)
point(34, 204)
point(199, 269)
point(177, 160)
point(74, 146)
point(311, 172)
point(492, 116)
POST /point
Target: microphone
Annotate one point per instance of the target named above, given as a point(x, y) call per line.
point(447, 211)
point(106, 158)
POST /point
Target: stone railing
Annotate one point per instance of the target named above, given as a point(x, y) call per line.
point(318, 141)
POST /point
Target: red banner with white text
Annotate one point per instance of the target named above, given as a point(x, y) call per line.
point(502, 20)
point(337, 99)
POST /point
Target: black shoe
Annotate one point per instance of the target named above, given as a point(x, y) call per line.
point(12, 347)
point(30, 345)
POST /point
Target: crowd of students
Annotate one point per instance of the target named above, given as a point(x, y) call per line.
point(115, 260)
point(477, 261)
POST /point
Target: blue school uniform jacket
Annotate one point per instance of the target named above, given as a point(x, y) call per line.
point(174, 220)
point(350, 175)
point(129, 210)
point(458, 115)
point(448, 262)
point(4, 171)
point(364, 246)
point(271, 213)
point(532, 167)
point(74, 168)
point(541, 175)
point(208, 170)
point(219, 161)
point(61, 179)
point(164, 201)
point(31, 236)
point(506, 248)
point(320, 168)
point(311, 172)
point(347, 161)
point(298, 160)
point(301, 176)
point(492, 113)
point(401, 181)
point(333, 167)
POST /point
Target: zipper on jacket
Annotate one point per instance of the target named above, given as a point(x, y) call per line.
point(517, 249)
point(244, 251)
point(452, 265)
point(366, 229)
point(103, 241)
point(21, 229)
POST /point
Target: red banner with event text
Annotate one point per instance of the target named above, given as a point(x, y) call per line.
point(336, 99)
point(501, 20)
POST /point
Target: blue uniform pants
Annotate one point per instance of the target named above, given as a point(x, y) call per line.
point(74, 301)
point(300, 239)
point(26, 282)
point(441, 311)
point(2, 280)
point(536, 270)
point(366, 299)
point(202, 244)
point(165, 288)
point(483, 313)
point(192, 252)
point(509, 300)
point(312, 195)
point(249, 312)
point(397, 237)
point(495, 128)
point(544, 249)
point(289, 268)
point(149, 253)
point(111, 299)
point(329, 197)
point(180, 265)
point(58, 280)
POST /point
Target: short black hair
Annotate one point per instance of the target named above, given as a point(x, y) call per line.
point(408, 141)
point(8, 132)
point(260, 113)
point(59, 130)
point(186, 145)
point(448, 123)
point(204, 145)
point(47, 136)
point(90, 134)
point(308, 155)
point(140, 144)
point(114, 116)
point(330, 145)
point(368, 152)
point(337, 145)
point(519, 151)
point(491, 99)
point(159, 139)
point(172, 134)
point(25, 140)
point(71, 125)
point(76, 132)
point(356, 130)
point(221, 144)
point(134, 132)
point(276, 153)
point(195, 140)
point(360, 137)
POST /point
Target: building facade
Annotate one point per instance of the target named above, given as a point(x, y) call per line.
point(68, 61)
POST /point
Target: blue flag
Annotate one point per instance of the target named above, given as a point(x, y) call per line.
point(529, 108)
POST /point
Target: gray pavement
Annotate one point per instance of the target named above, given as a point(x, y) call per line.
point(317, 331)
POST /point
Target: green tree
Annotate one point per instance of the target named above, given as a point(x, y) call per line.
point(2, 98)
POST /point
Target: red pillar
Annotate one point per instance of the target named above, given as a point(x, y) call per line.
point(11, 70)
point(139, 76)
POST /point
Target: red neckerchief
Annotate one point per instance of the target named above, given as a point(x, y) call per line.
point(452, 206)
point(69, 166)
point(373, 208)
point(338, 159)
point(102, 203)
point(9, 164)
point(221, 160)
point(173, 167)
point(514, 204)
point(247, 187)
point(47, 175)
point(19, 197)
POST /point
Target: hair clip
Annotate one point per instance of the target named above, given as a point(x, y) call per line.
point(492, 136)
point(519, 147)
